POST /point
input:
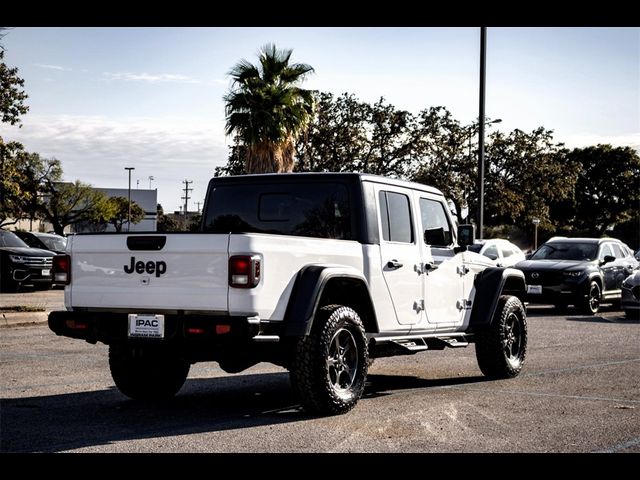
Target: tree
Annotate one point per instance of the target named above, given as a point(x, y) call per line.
point(166, 223)
point(235, 163)
point(441, 157)
point(337, 138)
point(12, 95)
point(116, 212)
point(267, 110)
point(66, 203)
point(525, 173)
point(607, 192)
point(23, 178)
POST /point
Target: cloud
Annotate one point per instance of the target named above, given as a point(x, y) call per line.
point(587, 139)
point(96, 149)
point(150, 78)
point(52, 67)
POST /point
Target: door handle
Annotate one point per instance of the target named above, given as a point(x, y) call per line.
point(394, 264)
point(430, 267)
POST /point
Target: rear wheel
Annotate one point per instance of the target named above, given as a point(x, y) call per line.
point(330, 364)
point(501, 348)
point(145, 373)
point(590, 304)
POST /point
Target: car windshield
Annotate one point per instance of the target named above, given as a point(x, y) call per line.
point(8, 239)
point(475, 248)
point(54, 243)
point(566, 251)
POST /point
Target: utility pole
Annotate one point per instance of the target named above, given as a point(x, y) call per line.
point(186, 198)
point(129, 214)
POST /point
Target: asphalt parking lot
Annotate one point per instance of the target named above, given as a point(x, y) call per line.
point(580, 392)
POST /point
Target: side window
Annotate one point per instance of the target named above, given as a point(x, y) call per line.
point(617, 251)
point(604, 251)
point(506, 252)
point(395, 214)
point(491, 252)
point(437, 231)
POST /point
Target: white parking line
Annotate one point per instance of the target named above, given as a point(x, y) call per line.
point(623, 446)
point(557, 395)
point(581, 367)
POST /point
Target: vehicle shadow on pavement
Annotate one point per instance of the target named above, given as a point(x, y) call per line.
point(85, 419)
point(597, 319)
point(382, 385)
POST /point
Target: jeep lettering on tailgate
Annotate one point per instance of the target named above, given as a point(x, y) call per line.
point(150, 267)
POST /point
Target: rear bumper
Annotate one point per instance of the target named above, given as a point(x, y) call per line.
point(110, 327)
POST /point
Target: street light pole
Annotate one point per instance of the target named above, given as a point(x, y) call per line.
point(471, 131)
point(150, 178)
point(129, 195)
point(536, 222)
point(483, 57)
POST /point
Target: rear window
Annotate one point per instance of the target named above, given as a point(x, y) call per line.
point(318, 210)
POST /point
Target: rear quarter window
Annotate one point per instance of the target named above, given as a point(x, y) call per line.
point(320, 210)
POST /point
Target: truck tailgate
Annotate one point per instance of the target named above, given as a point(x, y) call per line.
point(154, 272)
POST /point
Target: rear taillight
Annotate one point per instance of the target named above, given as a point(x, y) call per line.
point(244, 271)
point(62, 269)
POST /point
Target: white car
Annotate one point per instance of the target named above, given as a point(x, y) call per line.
point(501, 252)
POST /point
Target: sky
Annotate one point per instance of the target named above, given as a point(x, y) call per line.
point(102, 99)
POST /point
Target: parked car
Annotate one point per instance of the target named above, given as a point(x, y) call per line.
point(637, 255)
point(45, 241)
point(578, 271)
point(21, 264)
point(631, 295)
point(501, 252)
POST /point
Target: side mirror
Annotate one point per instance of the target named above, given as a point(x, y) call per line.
point(608, 259)
point(466, 237)
point(528, 256)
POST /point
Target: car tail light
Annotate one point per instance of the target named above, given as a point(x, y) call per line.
point(62, 269)
point(244, 271)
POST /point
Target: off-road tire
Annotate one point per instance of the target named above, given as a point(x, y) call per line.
point(591, 303)
point(326, 379)
point(144, 373)
point(502, 347)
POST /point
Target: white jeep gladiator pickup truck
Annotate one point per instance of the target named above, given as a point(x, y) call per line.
point(316, 272)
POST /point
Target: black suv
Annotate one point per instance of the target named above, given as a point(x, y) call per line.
point(20, 264)
point(44, 241)
point(578, 271)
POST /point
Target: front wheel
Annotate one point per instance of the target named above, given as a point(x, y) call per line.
point(501, 348)
point(144, 373)
point(591, 303)
point(330, 364)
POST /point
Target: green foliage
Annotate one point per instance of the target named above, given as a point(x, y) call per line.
point(66, 203)
point(23, 178)
point(116, 212)
point(267, 110)
point(12, 95)
point(194, 223)
point(236, 162)
point(525, 172)
point(168, 223)
point(607, 191)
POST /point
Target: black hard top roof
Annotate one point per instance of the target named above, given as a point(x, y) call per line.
point(324, 176)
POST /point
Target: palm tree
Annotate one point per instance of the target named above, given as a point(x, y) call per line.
point(266, 109)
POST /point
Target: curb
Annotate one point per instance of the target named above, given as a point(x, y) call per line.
point(13, 319)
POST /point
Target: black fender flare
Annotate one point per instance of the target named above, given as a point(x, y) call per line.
point(490, 284)
point(311, 283)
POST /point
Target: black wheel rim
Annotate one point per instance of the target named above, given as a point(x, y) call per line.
point(342, 361)
point(594, 297)
point(512, 337)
